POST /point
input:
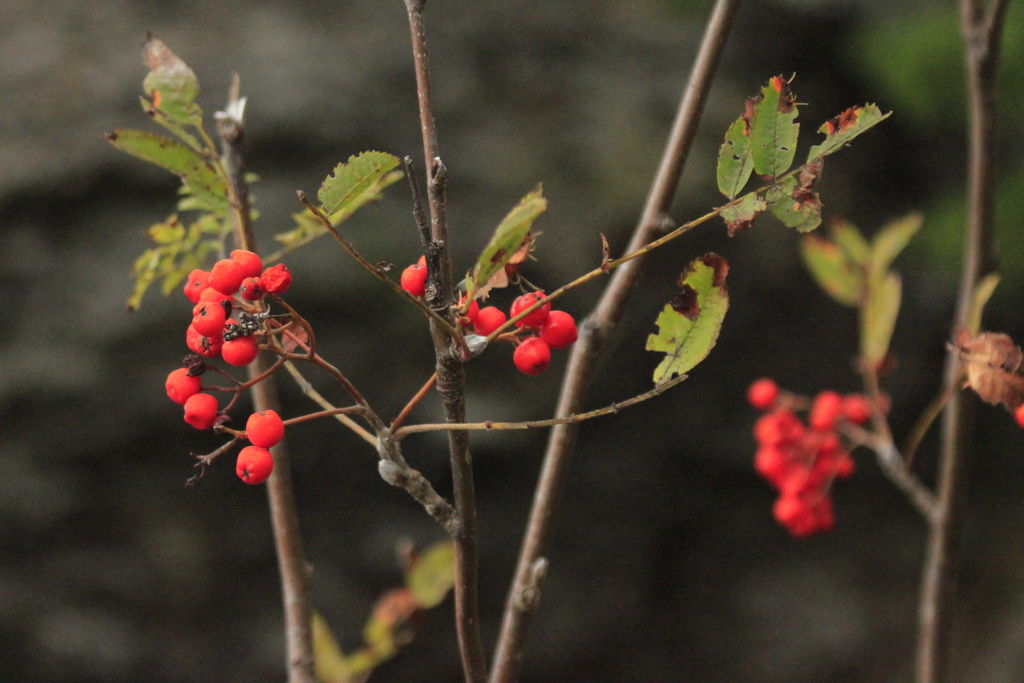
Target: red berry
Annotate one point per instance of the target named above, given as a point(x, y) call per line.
point(211, 294)
point(559, 330)
point(251, 289)
point(535, 318)
point(1018, 415)
point(239, 351)
point(414, 279)
point(264, 429)
point(204, 345)
point(824, 411)
point(772, 463)
point(778, 428)
point(254, 464)
point(226, 275)
point(197, 281)
point(473, 311)
point(208, 318)
point(762, 393)
point(276, 279)
point(250, 262)
point(488, 319)
point(201, 411)
point(180, 385)
point(533, 356)
point(856, 409)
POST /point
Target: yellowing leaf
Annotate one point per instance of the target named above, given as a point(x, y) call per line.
point(834, 271)
point(170, 85)
point(328, 659)
point(844, 127)
point(688, 326)
point(878, 318)
point(892, 239)
point(432, 575)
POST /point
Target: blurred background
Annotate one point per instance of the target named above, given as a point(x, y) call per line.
point(665, 561)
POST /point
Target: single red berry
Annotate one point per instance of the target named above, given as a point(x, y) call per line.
point(250, 261)
point(201, 410)
point(473, 311)
point(202, 344)
point(1018, 415)
point(252, 289)
point(276, 279)
point(264, 428)
point(488, 319)
point(824, 411)
point(533, 356)
point(788, 510)
point(778, 428)
point(239, 351)
point(414, 279)
point(762, 393)
point(254, 464)
point(559, 330)
point(197, 281)
point(535, 318)
point(226, 275)
point(772, 463)
point(208, 318)
point(856, 409)
point(211, 294)
point(180, 386)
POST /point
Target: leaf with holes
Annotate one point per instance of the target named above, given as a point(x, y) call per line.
point(773, 129)
point(741, 215)
point(844, 127)
point(735, 163)
point(796, 207)
point(508, 240)
point(688, 326)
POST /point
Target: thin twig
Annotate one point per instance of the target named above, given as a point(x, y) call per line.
point(894, 466)
point(924, 423)
point(317, 397)
point(534, 424)
point(413, 402)
point(422, 224)
point(451, 379)
point(374, 270)
point(283, 514)
point(981, 29)
point(593, 334)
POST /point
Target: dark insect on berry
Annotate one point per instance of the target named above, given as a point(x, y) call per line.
point(246, 325)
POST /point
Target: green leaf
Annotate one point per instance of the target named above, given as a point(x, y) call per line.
point(773, 129)
point(796, 208)
point(328, 659)
point(891, 239)
point(166, 233)
point(735, 163)
point(170, 85)
point(196, 172)
point(837, 274)
point(356, 181)
point(979, 299)
point(741, 215)
point(878, 318)
point(432, 575)
point(688, 326)
point(843, 128)
point(509, 237)
point(848, 238)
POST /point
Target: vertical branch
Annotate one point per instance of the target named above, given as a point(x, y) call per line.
point(981, 29)
point(451, 380)
point(281, 496)
point(596, 329)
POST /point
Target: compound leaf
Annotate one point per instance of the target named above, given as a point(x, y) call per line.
point(512, 233)
point(773, 129)
point(735, 163)
point(357, 181)
point(837, 274)
point(688, 326)
point(198, 174)
point(844, 127)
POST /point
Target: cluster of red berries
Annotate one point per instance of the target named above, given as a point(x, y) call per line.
point(802, 460)
point(214, 334)
point(546, 329)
